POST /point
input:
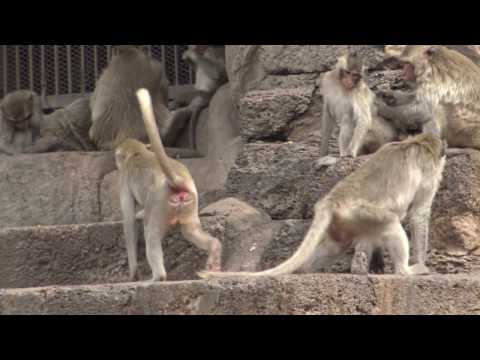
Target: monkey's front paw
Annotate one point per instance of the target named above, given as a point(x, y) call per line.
point(159, 278)
point(326, 161)
point(420, 269)
point(140, 215)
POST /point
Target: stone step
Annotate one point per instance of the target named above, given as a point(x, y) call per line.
point(96, 254)
point(320, 294)
point(74, 188)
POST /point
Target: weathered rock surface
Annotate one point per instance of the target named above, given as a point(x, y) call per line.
point(95, 253)
point(263, 67)
point(290, 295)
point(268, 114)
point(284, 181)
point(78, 188)
point(45, 189)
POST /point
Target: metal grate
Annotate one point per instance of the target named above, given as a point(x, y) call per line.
point(67, 71)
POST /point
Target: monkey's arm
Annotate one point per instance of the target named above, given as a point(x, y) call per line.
point(179, 153)
point(406, 119)
point(44, 145)
point(359, 133)
point(398, 98)
point(327, 128)
point(7, 141)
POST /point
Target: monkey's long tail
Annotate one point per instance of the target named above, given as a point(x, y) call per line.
point(321, 222)
point(146, 107)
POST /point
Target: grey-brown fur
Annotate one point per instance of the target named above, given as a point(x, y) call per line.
point(115, 113)
point(21, 116)
point(67, 129)
point(365, 211)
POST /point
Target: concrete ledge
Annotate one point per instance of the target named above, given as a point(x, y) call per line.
point(292, 295)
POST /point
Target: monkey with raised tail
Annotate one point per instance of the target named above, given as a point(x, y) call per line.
point(166, 191)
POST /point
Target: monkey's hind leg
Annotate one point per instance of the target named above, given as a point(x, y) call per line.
point(396, 242)
point(326, 254)
point(193, 233)
point(155, 230)
point(368, 258)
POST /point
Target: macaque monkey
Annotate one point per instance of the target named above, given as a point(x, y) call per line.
point(66, 129)
point(115, 113)
point(210, 72)
point(447, 86)
point(365, 210)
point(166, 191)
point(349, 100)
point(21, 116)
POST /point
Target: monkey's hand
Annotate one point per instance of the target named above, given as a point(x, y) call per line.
point(420, 269)
point(387, 97)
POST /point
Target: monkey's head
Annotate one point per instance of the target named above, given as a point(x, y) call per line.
point(126, 50)
point(351, 70)
point(128, 150)
point(422, 63)
point(199, 49)
point(17, 108)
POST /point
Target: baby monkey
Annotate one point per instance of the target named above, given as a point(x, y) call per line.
point(166, 191)
point(349, 101)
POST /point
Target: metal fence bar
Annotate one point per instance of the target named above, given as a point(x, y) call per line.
point(5, 74)
point(177, 69)
point(61, 77)
point(95, 61)
point(56, 71)
point(17, 66)
point(42, 70)
point(69, 68)
point(83, 88)
point(30, 66)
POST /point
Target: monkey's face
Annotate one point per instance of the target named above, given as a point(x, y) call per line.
point(19, 117)
point(417, 60)
point(349, 79)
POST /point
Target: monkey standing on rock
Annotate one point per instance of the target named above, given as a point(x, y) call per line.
point(365, 210)
point(349, 100)
point(167, 192)
point(21, 117)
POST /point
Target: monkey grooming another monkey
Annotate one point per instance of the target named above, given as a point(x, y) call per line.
point(210, 73)
point(365, 210)
point(167, 192)
point(66, 129)
point(349, 101)
point(447, 87)
point(21, 116)
point(115, 113)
